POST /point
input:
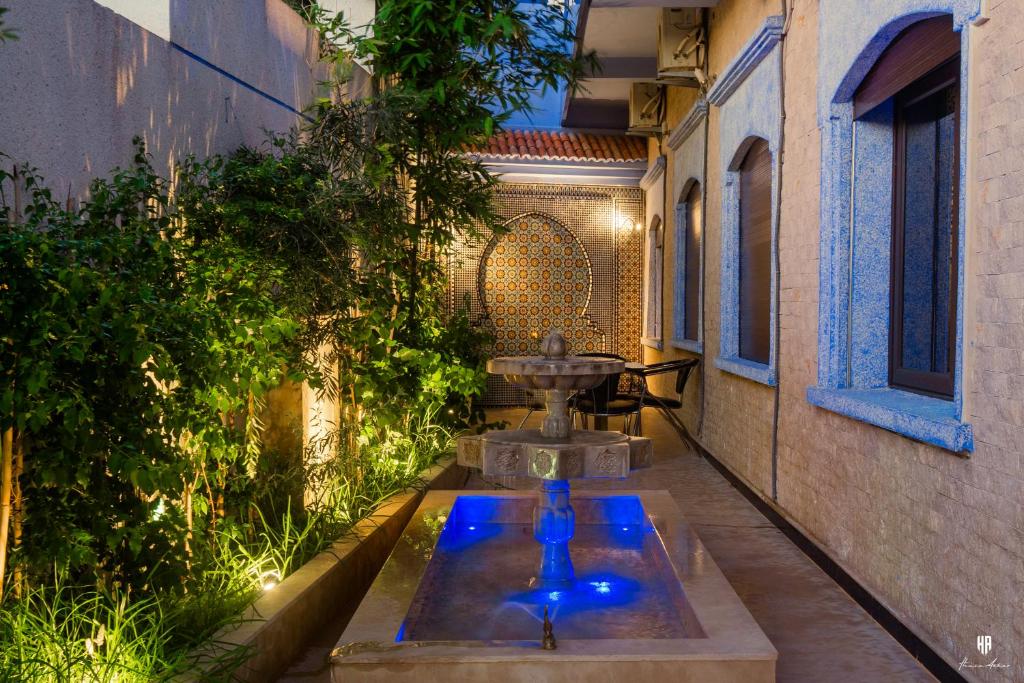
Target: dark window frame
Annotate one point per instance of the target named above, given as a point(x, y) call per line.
point(940, 384)
point(753, 343)
point(691, 280)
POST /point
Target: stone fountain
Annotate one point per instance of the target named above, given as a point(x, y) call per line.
point(460, 597)
point(556, 452)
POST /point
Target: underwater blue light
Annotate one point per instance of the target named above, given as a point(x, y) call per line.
point(555, 596)
point(602, 587)
point(471, 527)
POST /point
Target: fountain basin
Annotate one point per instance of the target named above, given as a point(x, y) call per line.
point(560, 373)
point(528, 453)
point(455, 601)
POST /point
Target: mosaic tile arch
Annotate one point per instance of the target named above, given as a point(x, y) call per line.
point(604, 295)
point(535, 278)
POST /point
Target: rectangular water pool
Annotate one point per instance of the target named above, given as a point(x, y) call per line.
point(455, 602)
point(479, 584)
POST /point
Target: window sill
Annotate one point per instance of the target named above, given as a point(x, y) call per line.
point(690, 345)
point(757, 372)
point(922, 418)
point(652, 343)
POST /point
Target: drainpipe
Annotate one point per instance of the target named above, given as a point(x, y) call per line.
point(703, 268)
point(777, 353)
point(704, 237)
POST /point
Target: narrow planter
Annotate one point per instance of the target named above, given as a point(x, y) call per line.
point(276, 628)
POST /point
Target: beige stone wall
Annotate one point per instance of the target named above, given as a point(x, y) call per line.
point(679, 102)
point(937, 537)
point(714, 399)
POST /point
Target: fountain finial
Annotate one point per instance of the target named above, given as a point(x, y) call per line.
point(554, 345)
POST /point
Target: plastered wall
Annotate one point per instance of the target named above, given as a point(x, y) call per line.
point(81, 81)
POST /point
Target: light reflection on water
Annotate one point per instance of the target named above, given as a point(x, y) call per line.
point(480, 583)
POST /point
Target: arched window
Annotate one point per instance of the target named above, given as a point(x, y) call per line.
point(892, 231)
point(755, 253)
point(918, 76)
point(688, 267)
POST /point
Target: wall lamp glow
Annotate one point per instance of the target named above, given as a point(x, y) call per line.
point(624, 223)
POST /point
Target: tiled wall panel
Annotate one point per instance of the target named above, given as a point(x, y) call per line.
point(570, 261)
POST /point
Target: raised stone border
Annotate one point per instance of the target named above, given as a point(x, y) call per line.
point(278, 625)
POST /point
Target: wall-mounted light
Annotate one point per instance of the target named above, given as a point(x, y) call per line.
point(625, 223)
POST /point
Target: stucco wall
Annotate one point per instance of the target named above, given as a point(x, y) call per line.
point(81, 81)
point(938, 537)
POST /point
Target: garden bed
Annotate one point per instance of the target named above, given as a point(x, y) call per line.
point(277, 627)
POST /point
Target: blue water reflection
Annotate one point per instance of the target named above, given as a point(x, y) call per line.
point(590, 592)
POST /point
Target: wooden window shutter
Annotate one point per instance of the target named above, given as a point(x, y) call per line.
point(755, 254)
point(919, 49)
point(691, 303)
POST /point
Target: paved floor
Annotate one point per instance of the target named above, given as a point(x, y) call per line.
point(821, 634)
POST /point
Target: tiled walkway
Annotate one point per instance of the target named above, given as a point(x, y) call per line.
point(821, 634)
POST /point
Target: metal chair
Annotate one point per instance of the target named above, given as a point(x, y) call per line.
point(665, 404)
point(608, 399)
point(534, 401)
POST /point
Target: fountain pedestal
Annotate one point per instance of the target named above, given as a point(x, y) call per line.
point(556, 452)
point(554, 523)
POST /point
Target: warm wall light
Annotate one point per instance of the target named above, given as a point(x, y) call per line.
point(626, 223)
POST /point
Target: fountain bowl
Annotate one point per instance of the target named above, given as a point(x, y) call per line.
point(568, 373)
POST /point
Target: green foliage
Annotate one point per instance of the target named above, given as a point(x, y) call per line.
point(141, 338)
point(6, 33)
point(448, 75)
point(122, 345)
point(59, 634)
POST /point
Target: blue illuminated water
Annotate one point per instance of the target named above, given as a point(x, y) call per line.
point(484, 579)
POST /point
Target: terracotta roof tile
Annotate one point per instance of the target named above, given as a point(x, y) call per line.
point(568, 146)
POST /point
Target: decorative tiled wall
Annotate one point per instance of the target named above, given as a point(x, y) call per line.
point(570, 262)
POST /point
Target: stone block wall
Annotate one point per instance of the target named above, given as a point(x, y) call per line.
point(937, 537)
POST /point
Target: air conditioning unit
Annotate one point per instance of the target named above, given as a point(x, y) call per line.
point(682, 46)
point(646, 109)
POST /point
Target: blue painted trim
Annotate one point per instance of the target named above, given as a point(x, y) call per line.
point(752, 112)
point(757, 372)
point(655, 172)
point(918, 417)
point(756, 49)
point(679, 282)
point(856, 226)
point(698, 112)
point(688, 345)
point(248, 86)
point(688, 166)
